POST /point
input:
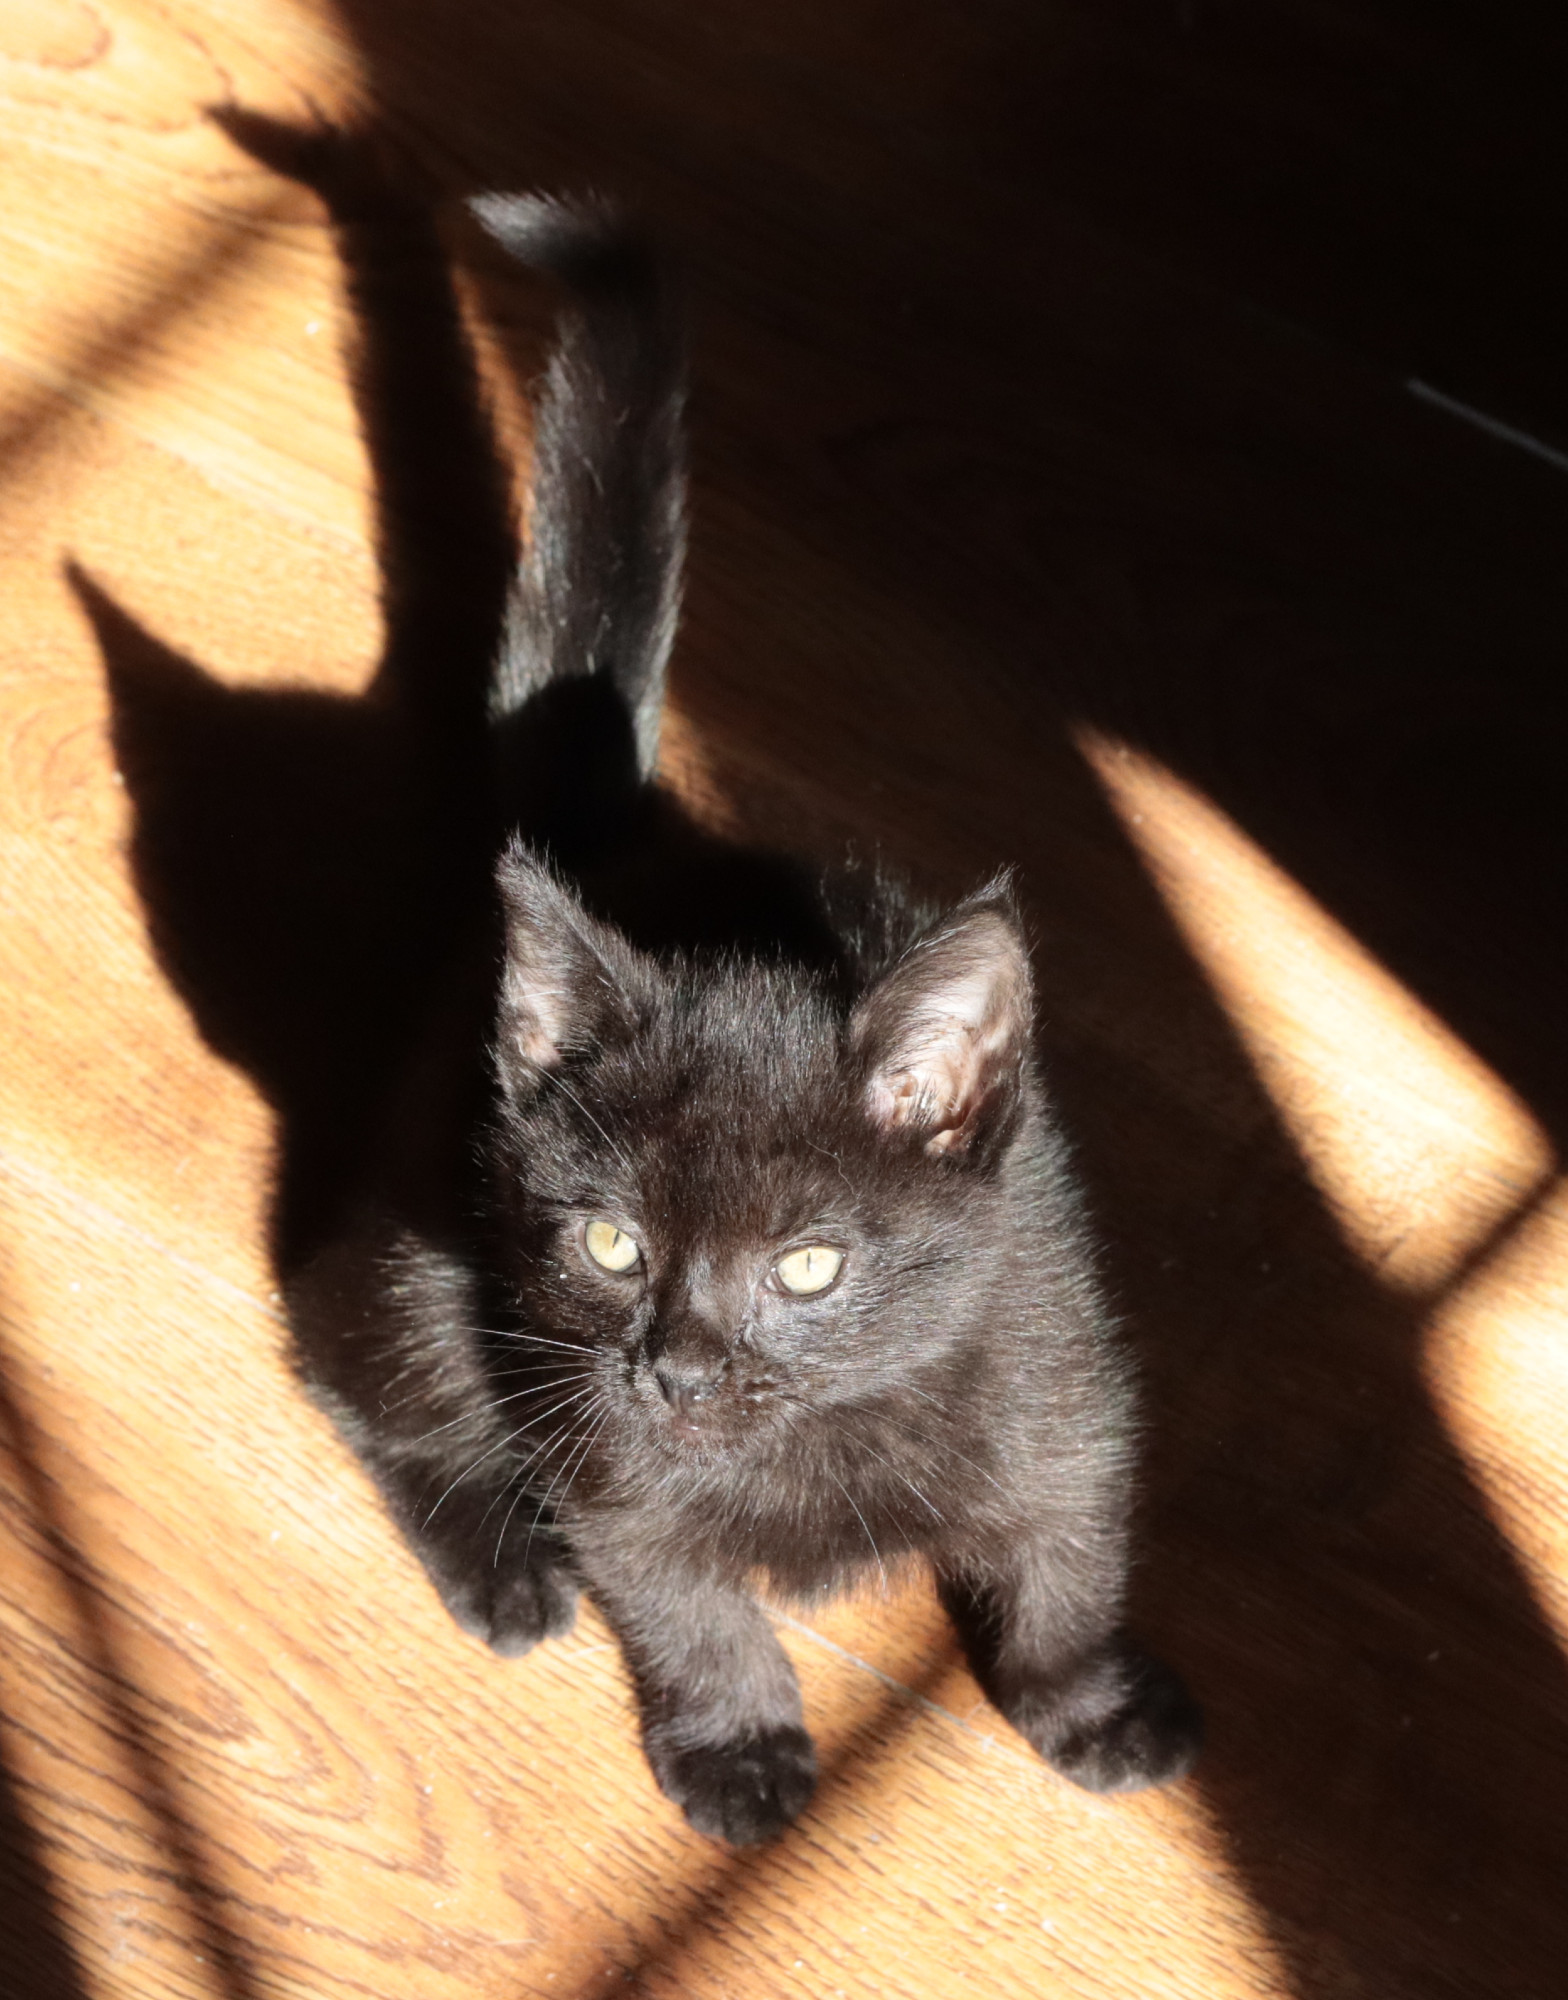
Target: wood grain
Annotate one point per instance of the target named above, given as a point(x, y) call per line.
point(1017, 539)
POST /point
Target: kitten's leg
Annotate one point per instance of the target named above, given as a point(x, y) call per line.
point(721, 1716)
point(383, 1338)
point(1041, 1629)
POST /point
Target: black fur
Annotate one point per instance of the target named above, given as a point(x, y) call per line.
point(725, 1059)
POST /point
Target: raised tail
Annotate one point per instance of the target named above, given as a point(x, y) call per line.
point(598, 591)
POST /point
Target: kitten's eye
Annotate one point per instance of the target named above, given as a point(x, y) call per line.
point(611, 1248)
point(810, 1270)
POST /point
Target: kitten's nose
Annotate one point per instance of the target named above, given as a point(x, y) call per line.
point(685, 1383)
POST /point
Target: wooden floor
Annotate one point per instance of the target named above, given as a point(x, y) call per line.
point(1060, 499)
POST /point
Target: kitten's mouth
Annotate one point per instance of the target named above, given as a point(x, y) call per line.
point(711, 1428)
point(700, 1422)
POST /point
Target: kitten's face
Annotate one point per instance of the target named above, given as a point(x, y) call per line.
point(725, 1229)
point(733, 1202)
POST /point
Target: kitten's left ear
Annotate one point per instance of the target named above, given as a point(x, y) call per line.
point(945, 1035)
point(568, 982)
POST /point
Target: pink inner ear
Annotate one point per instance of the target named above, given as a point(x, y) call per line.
point(951, 1018)
point(932, 1095)
point(942, 1086)
point(562, 979)
point(537, 1002)
point(539, 1045)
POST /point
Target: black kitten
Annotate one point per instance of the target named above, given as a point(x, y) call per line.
point(721, 1226)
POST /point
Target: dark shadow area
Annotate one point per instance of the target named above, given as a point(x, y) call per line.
point(35, 1956)
point(937, 349)
point(33, 1948)
point(1394, 177)
point(1122, 499)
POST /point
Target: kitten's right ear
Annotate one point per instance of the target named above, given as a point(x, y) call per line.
point(568, 981)
point(945, 1036)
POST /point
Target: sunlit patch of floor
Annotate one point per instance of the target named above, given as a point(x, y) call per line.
point(1420, 1151)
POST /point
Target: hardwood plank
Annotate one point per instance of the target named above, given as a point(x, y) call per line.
point(984, 450)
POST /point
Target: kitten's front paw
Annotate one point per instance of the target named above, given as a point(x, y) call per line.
point(743, 1791)
point(534, 1603)
point(511, 1610)
point(1123, 1722)
point(1152, 1739)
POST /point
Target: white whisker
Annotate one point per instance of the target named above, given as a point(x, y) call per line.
point(535, 1339)
point(862, 1520)
point(468, 1416)
point(479, 1461)
point(561, 1431)
point(576, 1466)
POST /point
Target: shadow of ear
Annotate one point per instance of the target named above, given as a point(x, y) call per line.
point(346, 167)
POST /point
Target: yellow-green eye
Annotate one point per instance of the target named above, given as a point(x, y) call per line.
point(810, 1270)
point(610, 1247)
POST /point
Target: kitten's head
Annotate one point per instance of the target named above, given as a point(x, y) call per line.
point(738, 1195)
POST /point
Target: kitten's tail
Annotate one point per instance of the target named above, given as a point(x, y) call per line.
point(598, 591)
